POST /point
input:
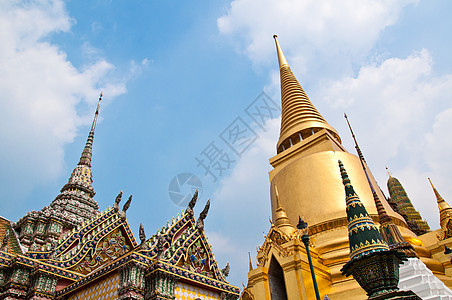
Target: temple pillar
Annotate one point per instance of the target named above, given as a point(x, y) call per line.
point(43, 285)
point(16, 280)
point(160, 286)
point(131, 281)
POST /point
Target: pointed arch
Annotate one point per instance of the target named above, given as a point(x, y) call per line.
point(276, 280)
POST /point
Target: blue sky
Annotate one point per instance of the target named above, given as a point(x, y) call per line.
point(176, 75)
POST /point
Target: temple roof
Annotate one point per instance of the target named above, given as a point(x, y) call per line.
point(106, 242)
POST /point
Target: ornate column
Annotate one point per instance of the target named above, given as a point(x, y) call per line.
point(26, 232)
point(160, 286)
point(16, 281)
point(53, 232)
point(131, 281)
point(39, 232)
point(43, 285)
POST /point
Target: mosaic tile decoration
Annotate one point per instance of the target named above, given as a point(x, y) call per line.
point(187, 292)
point(105, 289)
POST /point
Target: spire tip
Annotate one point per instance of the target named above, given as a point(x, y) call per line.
point(389, 173)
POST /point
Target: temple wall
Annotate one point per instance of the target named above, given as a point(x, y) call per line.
point(188, 292)
point(104, 289)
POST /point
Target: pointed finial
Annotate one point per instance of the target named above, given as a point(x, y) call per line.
point(192, 203)
point(202, 216)
point(389, 173)
point(443, 204)
point(125, 208)
point(431, 182)
point(97, 111)
point(127, 204)
point(382, 214)
point(281, 58)
point(226, 269)
point(85, 158)
point(360, 154)
point(117, 200)
point(142, 235)
point(204, 212)
point(251, 265)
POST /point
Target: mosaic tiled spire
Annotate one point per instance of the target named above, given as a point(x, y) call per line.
point(75, 204)
point(400, 197)
point(363, 235)
point(300, 118)
point(82, 176)
point(372, 264)
point(388, 230)
point(445, 214)
point(72, 207)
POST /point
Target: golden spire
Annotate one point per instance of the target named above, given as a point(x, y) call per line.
point(281, 219)
point(251, 265)
point(441, 203)
point(300, 119)
point(281, 58)
point(445, 215)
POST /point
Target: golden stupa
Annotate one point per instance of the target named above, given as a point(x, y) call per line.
point(305, 182)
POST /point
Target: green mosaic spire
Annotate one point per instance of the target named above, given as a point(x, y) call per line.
point(403, 202)
point(363, 235)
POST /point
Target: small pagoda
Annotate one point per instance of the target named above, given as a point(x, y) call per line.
point(373, 265)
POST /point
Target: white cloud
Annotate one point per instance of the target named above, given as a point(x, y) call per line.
point(39, 92)
point(314, 34)
point(401, 113)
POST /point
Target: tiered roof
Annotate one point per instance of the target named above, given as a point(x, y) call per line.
point(106, 243)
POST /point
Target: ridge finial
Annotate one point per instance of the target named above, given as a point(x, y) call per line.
point(117, 200)
point(202, 216)
point(192, 203)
